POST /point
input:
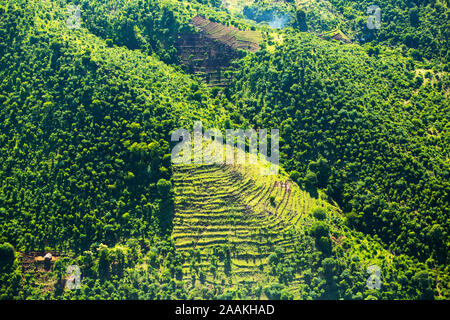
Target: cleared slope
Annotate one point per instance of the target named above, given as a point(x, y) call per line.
point(236, 208)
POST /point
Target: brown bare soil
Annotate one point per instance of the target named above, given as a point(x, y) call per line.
point(238, 39)
point(210, 50)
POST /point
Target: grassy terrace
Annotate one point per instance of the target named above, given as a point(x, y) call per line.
point(235, 210)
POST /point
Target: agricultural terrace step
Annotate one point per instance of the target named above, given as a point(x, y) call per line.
point(196, 167)
point(270, 228)
point(215, 190)
point(257, 231)
point(218, 174)
point(239, 242)
point(254, 229)
point(228, 233)
point(208, 215)
point(269, 224)
point(213, 197)
point(217, 212)
point(223, 175)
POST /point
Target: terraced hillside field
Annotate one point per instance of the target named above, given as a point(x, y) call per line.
point(248, 40)
point(231, 218)
point(206, 58)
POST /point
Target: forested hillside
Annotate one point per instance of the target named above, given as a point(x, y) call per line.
point(84, 130)
point(86, 116)
point(421, 28)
